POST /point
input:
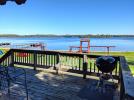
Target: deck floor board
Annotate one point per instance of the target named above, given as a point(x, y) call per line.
point(45, 85)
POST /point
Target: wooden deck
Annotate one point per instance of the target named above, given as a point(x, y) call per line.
point(47, 85)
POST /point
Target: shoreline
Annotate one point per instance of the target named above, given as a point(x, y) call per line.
point(75, 52)
point(65, 36)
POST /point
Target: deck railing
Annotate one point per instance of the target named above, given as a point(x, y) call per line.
point(126, 81)
point(7, 59)
point(77, 63)
point(35, 58)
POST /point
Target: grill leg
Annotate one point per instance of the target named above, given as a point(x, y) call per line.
point(101, 84)
point(112, 78)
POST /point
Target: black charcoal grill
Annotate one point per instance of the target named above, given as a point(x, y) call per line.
point(105, 64)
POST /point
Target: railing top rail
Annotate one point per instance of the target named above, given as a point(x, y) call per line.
point(96, 56)
point(60, 52)
point(71, 54)
point(32, 51)
point(128, 79)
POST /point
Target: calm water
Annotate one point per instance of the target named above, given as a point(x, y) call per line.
point(122, 44)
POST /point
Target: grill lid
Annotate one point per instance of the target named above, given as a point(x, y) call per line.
point(106, 63)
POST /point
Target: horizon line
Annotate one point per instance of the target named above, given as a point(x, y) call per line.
point(60, 34)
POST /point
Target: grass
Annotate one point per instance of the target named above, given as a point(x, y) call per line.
point(128, 55)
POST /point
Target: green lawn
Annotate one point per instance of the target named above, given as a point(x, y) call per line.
point(128, 55)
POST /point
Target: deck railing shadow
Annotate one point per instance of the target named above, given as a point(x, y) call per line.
point(46, 84)
point(78, 63)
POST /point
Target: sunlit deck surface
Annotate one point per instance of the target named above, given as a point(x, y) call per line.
point(47, 85)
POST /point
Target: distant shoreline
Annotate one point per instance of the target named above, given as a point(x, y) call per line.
point(66, 36)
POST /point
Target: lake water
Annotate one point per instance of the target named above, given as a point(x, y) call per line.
point(62, 43)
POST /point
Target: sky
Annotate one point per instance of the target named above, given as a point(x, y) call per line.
point(68, 17)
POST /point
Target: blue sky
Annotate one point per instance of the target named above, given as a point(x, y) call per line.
point(68, 17)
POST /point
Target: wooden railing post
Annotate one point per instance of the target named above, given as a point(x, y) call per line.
point(121, 84)
point(126, 81)
point(12, 58)
point(56, 67)
point(85, 64)
point(35, 60)
point(58, 58)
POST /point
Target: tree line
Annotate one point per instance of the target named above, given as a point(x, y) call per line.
point(79, 36)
